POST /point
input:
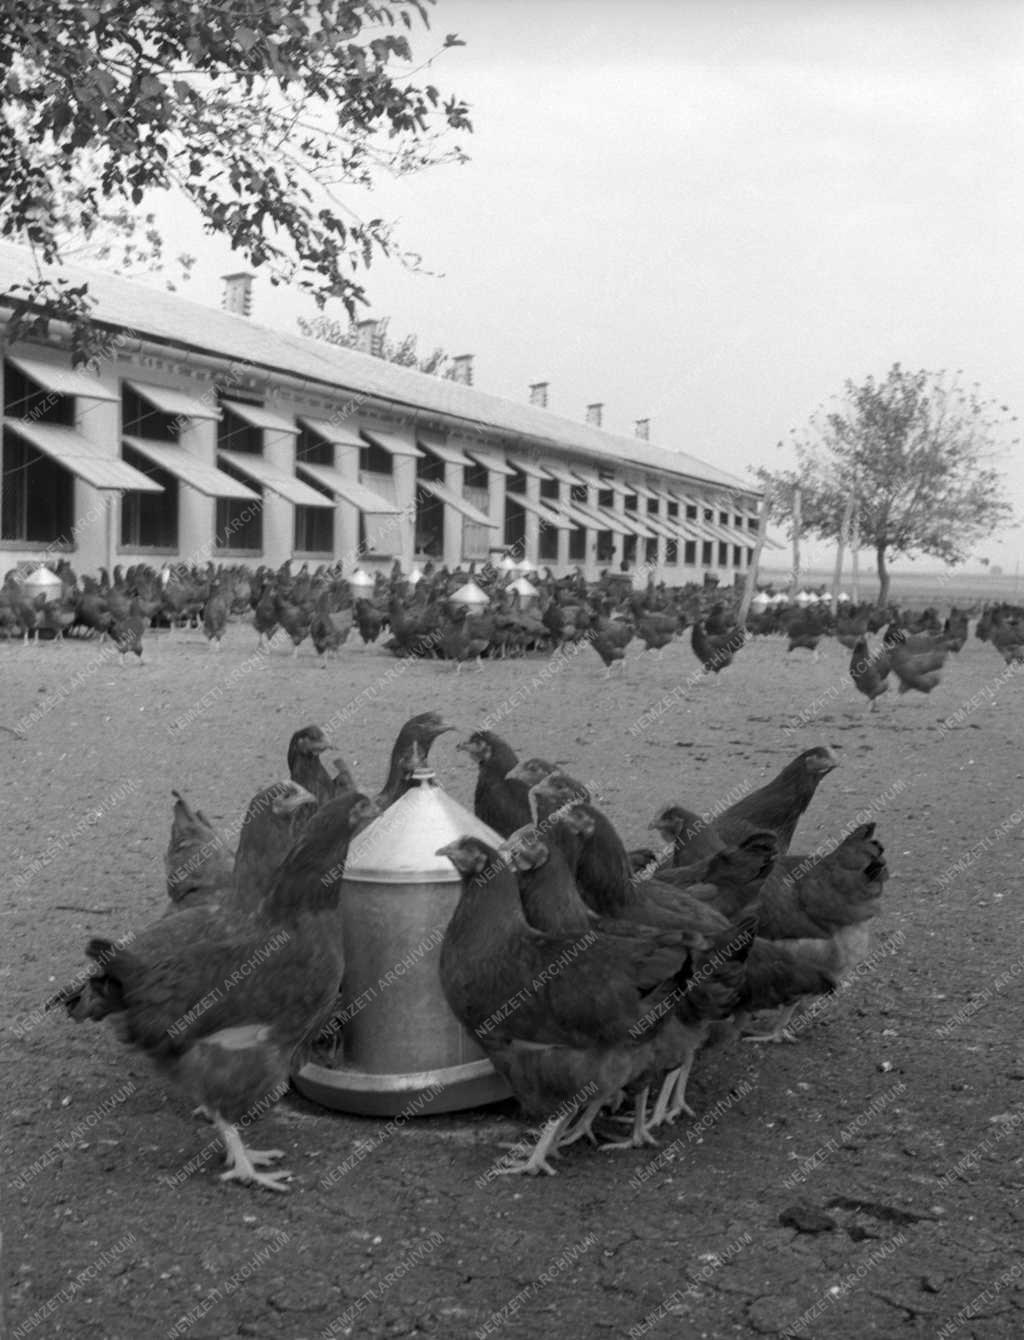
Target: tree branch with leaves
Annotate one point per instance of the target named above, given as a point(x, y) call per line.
point(918, 452)
point(256, 113)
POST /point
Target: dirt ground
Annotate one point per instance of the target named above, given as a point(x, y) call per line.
point(865, 1181)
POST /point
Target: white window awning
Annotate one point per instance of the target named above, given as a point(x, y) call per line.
point(258, 417)
point(659, 525)
point(64, 381)
point(610, 521)
point(450, 455)
point(445, 495)
point(637, 525)
point(525, 466)
point(546, 513)
point(579, 515)
point(339, 434)
point(591, 478)
point(641, 490)
point(169, 401)
point(391, 443)
point(350, 490)
point(560, 473)
point(274, 478)
point(616, 486)
point(490, 460)
point(205, 479)
point(82, 457)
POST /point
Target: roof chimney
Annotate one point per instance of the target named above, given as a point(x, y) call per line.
point(642, 429)
point(238, 293)
point(369, 335)
point(539, 394)
point(462, 369)
point(594, 414)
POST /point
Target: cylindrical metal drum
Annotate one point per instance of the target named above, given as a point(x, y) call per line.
point(401, 1044)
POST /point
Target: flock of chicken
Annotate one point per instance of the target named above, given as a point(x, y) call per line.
point(588, 972)
point(422, 620)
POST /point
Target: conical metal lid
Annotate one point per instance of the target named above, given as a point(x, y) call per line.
point(470, 594)
point(400, 847)
point(42, 581)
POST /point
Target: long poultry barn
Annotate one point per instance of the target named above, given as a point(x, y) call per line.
point(200, 435)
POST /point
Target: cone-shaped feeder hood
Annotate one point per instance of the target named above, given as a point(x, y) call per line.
point(42, 582)
point(400, 847)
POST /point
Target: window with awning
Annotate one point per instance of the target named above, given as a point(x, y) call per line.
point(349, 490)
point(189, 469)
point(450, 455)
point(560, 473)
point(336, 431)
point(177, 404)
point(37, 496)
point(548, 514)
point(61, 381)
point(466, 509)
point(257, 416)
point(490, 460)
point(272, 477)
point(391, 443)
point(525, 465)
point(149, 520)
point(82, 457)
point(632, 525)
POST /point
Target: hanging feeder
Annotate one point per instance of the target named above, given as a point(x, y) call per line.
point(402, 1050)
point(42, 582)
point(471, 596)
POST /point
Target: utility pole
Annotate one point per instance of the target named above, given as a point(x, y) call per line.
point(750, 584)
point(844, 539)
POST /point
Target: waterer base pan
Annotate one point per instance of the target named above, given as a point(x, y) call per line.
point(426, 1094)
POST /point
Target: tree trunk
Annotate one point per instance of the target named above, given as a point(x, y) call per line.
point(855, 558)
point(797, 521)
point(883, 577)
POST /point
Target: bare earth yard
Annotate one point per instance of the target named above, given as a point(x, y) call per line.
point(898, 1114)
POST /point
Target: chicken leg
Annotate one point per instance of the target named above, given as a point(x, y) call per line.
point(641, 1134)
point(780, 1033)
point(243, 1163)
point(584, 1126)
point(547, 1143)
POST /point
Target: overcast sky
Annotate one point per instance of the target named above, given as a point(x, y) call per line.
point(712, 214)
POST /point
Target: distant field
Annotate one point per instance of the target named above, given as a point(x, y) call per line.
point(916, 588)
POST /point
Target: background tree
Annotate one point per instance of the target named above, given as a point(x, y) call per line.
point(403, 352)
point(916, 450)
point(255, 112)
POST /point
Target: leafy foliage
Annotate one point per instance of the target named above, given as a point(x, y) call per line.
point(917, 451)
point(255, 112)
point(404, 352)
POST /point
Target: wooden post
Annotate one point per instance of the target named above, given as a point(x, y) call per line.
point(844, 539)
point(755, 564)
point(794, 577)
